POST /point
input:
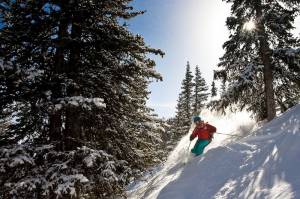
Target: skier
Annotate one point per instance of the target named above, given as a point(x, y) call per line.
point(204, 132)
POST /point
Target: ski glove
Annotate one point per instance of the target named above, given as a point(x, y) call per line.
point(191, 137)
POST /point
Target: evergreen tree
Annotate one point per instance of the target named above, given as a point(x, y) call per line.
point(252, 61)
point(213, 89)
point(73, 84)
point(181, 123)
point(200, 92)
point(185, 97)
point(223, 88)
point(179, 111)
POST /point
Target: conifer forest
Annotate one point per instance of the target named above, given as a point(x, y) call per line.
point(75, 81)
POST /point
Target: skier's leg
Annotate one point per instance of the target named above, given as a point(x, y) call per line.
point(196, 146)
point(200, 147)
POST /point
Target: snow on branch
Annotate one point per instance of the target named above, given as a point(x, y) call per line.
point(81, 101)
point(290, 56)
point(41, 171)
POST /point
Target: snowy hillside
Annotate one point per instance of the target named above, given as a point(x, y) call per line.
point(151, 185)
point(265, 164)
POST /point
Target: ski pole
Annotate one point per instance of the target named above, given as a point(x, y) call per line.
point(228, 134)
point(189, 146)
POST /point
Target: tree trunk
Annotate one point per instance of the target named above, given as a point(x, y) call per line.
point(265, 54)
point(268, 80)
point(55, 119)
point(73, 121)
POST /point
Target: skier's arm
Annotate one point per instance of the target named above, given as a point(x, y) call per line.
point(211, 130)
point(194, 134)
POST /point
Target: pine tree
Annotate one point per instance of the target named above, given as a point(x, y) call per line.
point(251, 63)
point(182, 120)
point(223, 88)
point(185, 102)
point(73, 84)
point(179, 111)
point(200, 92)
point(213, 89)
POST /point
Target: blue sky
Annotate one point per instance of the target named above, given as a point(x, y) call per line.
point(186, 30)
point(192, 30)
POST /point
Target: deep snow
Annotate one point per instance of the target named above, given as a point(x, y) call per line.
point(263, 164)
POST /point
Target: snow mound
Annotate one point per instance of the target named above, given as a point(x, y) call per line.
point(265, 164)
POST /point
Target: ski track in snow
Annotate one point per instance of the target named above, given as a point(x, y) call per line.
point(151, 187)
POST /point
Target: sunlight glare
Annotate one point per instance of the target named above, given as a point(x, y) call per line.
point(249, 26)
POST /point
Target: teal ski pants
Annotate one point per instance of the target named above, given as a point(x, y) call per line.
point(199, 147)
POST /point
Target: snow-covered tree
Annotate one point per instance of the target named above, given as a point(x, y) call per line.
point(73, 90)
point(179, 111)
point(184, 106)
point(200, 92)
point(213, 89)
point(251, 66)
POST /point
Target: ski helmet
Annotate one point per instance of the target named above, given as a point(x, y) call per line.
point(196, 118)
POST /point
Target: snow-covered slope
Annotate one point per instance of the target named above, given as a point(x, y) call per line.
point(263, 165)
point(151, 185)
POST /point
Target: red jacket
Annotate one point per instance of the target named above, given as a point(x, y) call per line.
point(204, 133)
